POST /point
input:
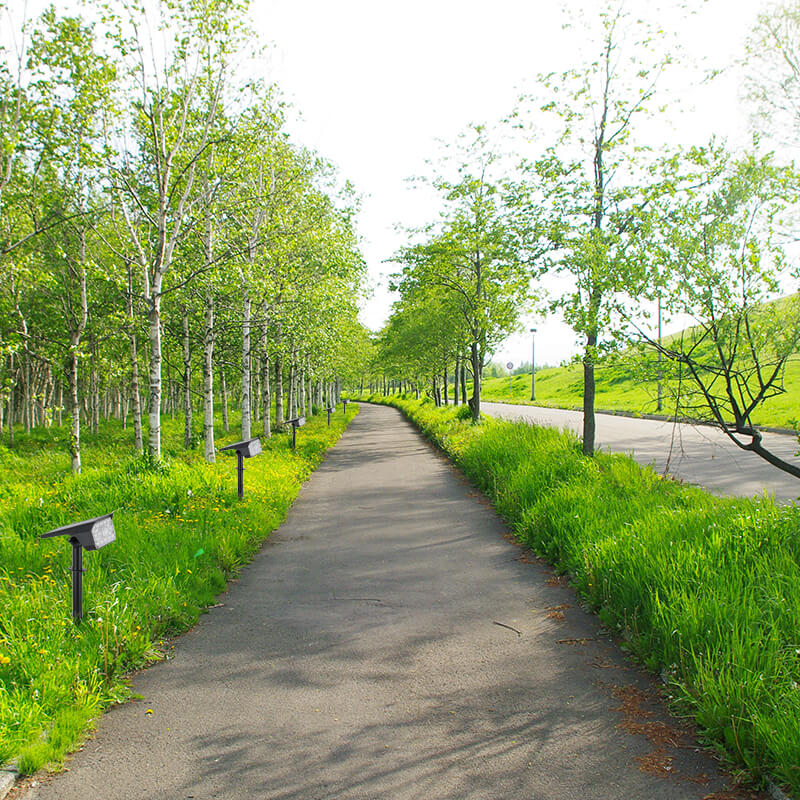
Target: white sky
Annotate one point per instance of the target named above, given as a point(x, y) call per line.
point(378, 83)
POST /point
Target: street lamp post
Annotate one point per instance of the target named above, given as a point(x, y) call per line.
point(533, 363)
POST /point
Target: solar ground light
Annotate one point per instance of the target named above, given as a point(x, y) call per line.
point(330, 410)
point(246, 449)
point(296, 423)
point(344, 403)
point(91, 534)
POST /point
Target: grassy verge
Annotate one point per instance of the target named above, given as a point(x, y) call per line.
point(181, 533)
point(621, 389)
point(704, 589)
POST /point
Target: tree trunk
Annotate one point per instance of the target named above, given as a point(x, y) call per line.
point(246, 388)
point(589, 395)
point(187, 381)
point(94, 388)
point(301, 387)
point(27, 400)
point(208, 382)
point(463, 382)
point(292, 387)
point(223, 385)
point(11, 403)
point(265, 395)
point(75, 408)
point(135, 394)
point(475, 400)
point(279, 419)
point(154, 405)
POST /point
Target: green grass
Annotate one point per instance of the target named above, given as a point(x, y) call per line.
point(181, 534)
point(621, 389)
point(705, 589)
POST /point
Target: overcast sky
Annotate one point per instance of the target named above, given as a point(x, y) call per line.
point(378, 83)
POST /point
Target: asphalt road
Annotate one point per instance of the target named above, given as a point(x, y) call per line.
point(390, 642)
point(698, 454)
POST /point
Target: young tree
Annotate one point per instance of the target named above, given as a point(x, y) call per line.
point(594, 186)
point(724, 267)
point(472, 256)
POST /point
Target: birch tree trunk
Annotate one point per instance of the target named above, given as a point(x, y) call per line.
point(154, 405)
point(11, 403)
point(187, 382)
point(309, 390)
point(132, 350)
point(279, 418)
point(292, 388)
point(301, 390)
point(208, 382)
point(223, 385)
point(246, 388)
point(75, 407)
point(265, 395)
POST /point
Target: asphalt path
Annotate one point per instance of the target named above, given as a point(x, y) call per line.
point(698, 454)
point(389, 641)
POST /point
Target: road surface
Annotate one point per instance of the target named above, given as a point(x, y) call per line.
point(698, 454)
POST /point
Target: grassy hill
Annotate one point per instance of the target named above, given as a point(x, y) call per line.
point(620, 390)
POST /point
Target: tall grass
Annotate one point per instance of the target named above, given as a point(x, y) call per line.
point(181, 533)
point(704, 589)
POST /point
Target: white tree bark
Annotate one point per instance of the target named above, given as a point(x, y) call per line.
point(246, 373)
point(265, 394)
point(187, 381)
point(208, 381)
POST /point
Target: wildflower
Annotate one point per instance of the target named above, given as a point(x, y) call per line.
point(4, 660)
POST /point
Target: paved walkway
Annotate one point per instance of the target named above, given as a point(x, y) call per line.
point(698, 454)
point(390, 642)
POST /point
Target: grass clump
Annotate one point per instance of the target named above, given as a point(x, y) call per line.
point(704, 589)
point(181, 534)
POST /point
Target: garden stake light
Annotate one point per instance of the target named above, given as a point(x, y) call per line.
point(296, 423)
point(245, 449)
point(91, 534)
